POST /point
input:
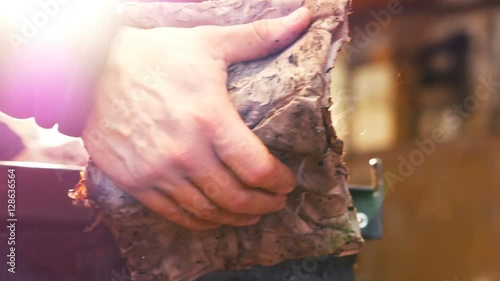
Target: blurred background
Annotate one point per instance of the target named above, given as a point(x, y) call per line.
point(23, 140)
point(419, 87)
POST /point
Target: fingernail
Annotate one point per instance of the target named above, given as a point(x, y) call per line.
point(251, 221)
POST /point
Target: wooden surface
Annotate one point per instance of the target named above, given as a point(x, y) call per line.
point(443, 221)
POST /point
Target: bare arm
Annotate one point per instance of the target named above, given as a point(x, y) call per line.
point(51, 54)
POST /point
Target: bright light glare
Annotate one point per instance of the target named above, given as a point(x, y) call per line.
point(373, 161)
point(15, 7)
point(33, 20)
point(10, 11)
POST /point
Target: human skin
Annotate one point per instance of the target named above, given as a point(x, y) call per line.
point(170, 134)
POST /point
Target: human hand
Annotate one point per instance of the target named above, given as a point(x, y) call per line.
point(169, 134)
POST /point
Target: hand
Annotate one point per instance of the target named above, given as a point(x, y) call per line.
point(164, 129)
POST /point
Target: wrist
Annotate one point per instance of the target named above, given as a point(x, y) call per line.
point(92, 51)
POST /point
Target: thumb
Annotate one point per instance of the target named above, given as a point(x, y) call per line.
point(256, 40)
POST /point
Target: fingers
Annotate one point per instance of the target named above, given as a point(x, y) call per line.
point(249, 159)
point(161, 204)
point(225, 190)
point(195, 202)
point(259, 39)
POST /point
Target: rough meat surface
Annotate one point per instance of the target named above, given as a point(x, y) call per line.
point(284, 99)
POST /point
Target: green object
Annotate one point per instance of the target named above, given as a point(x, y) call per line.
point(368, 201)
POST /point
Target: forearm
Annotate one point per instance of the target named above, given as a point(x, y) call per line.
point(51, 58)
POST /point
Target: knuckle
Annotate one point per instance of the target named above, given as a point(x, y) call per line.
point(201, 120)
point(184, 159)
point(212, 190)
point(240, 204)
point(125, 180)
point(207, 213)
point(260, 173)
point(262, 32)
point(184, 218)
point(139, 176)
point(149, 173)
point(221, 178)
point(172, 214)
point(263, 35)
point(204, 121)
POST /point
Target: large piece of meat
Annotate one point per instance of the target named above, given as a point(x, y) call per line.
point(284, 99)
